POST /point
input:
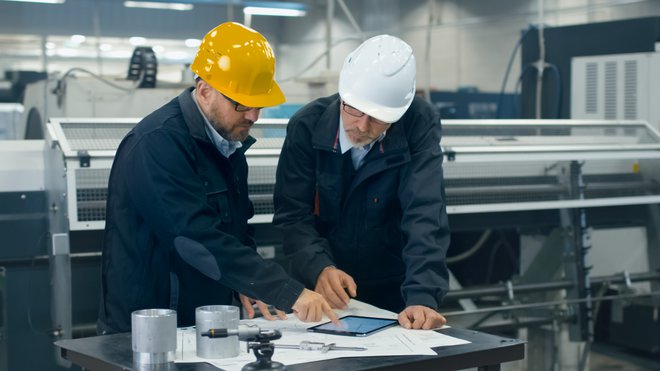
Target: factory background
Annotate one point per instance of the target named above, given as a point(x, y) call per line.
point(525, 235)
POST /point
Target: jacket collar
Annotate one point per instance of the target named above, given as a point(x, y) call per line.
point(195, 121)
point(325, 135)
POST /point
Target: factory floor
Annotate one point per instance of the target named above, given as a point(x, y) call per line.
point(606, 357)
point(603, 357)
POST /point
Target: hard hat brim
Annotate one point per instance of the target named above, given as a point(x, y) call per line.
point(377, 111)
point(273, 98)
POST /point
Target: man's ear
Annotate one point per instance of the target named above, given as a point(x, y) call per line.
point(202, 89)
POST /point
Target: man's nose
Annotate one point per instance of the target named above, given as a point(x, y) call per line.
point(362, 123)
point(252, 114)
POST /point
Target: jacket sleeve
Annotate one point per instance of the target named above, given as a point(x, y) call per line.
point(294, 197)
point(424, 220)
point(172, 198)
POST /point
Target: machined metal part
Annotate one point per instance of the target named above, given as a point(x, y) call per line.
point(153, 334)
point(318, 346)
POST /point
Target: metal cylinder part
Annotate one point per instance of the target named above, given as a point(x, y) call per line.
point(214, 317)
point(153, 332)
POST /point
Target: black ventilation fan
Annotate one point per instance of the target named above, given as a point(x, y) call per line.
point(143, 67)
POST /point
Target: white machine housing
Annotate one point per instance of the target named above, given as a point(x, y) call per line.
point(616, 87)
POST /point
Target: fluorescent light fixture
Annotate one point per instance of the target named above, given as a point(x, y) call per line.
point(137, 40)
point(78, 39)
point(193, 43)
point(157, 5)
point(280, 12)
point(40, 1)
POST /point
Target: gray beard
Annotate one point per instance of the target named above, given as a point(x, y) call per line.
point(228, 136)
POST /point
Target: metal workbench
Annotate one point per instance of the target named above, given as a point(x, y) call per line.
point(485, 351)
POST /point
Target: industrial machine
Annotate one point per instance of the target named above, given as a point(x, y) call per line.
point(616, 87)
point(621, 86)
point(79, 93)
point(583, 198)
point(561, 45)
point(10, 115)
point(571, 190)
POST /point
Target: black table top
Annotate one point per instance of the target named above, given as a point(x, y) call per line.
point(113, 352)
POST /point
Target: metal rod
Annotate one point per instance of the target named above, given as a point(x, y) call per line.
point(549, 303)
point(547, 286)
point(43, 259)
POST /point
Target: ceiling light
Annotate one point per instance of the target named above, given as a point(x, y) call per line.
point(281, 12)
point(78, 39)
point(137, 40)
point(40, 1)
point(157, 5)
point(105, 47)
point(193, 43)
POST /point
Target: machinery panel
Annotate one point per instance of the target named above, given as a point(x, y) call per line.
point(616, 87)
point(491, 165)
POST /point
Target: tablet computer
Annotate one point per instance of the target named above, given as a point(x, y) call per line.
point(355, 326)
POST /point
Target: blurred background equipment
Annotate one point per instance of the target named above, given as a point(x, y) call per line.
point(550, 138)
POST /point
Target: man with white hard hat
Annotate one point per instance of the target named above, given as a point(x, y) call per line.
point(359, 193)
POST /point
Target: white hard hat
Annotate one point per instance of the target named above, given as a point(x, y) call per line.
point(378, 78)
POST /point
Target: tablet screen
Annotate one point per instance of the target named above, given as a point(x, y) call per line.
point(355, 326)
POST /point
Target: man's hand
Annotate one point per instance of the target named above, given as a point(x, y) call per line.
point(247, 304)
point(311, 306)
point(421, 317)
point(333, 284)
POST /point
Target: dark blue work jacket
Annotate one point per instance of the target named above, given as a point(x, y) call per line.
point(176, 231)
point(384, 224)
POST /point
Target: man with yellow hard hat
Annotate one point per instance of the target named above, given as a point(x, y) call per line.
point(176, 232)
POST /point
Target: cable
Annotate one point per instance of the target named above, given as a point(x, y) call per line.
point(60, 88)
point(508, 70)
point(540, 63)
point(317, 59)
point(526, 68)
point(554, 69)
point(471, 251)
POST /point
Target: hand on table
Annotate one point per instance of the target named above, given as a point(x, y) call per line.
point(263, 307)
point(311, 306)
point(333, 284)
point(421, 317)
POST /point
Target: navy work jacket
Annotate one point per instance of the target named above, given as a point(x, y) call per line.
point(176, 231)
point(384, 224)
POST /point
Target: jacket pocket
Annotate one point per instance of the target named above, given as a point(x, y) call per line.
point(219, 199)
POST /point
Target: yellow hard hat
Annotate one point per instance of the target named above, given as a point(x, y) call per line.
point(238, 62)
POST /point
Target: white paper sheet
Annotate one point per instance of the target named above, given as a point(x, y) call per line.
point(394, 341)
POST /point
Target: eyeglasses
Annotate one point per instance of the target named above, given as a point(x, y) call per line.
point(357, 113)
point(239, 107)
